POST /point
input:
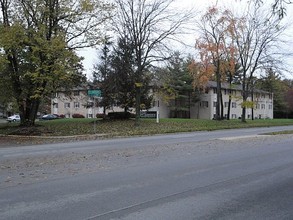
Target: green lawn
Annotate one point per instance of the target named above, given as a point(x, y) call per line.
point(68, 127)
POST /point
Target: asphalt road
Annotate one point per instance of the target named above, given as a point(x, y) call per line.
point(231, 174)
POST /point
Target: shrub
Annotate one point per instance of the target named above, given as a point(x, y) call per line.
point(77, 115)
point(119, 115)
point(100, 115)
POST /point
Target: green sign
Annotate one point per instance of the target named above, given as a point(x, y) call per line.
point(95, 92)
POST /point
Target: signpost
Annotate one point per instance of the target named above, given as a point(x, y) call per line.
point(95, 93)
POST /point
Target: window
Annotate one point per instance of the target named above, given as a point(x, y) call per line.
point(204, 104)
point(215, 104)
point(263, 106)
point(226, 104)
point(76, 93)
point(233, 104)
point(270, 96)
point(55, 105)
point(76, 104)
point(215, 90)
point(67, 105)
point(234, 116)
point(90, 115)
point(156, 103)
point(257, 106)
point(270, 107)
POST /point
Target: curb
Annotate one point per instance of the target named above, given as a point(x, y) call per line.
point(56, 137)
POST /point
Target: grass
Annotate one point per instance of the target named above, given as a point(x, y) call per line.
point(71, 127)
point(280, 132)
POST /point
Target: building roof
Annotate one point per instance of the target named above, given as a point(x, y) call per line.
point(237, 87)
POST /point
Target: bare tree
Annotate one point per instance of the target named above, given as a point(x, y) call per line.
point(279, 7)
point(150, 25)
point(257, 39)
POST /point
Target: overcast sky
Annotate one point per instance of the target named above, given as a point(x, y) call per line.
point(199, 7)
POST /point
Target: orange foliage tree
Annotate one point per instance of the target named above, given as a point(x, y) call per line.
point(217, 54)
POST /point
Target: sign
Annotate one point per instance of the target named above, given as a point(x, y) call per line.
point(148, 114)
point(95, 92)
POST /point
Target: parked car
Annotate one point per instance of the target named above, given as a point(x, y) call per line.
point(13, 118)
point(49, 117)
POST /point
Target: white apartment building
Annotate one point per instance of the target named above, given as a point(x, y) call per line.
point(206, 107)
point(77, 101)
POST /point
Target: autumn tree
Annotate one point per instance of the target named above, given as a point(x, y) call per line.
point(38, 41)
point(148, 24)
point(256, 35)
point(217, 54)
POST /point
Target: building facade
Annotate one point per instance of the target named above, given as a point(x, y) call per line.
point(206, 107)
point(78, 101)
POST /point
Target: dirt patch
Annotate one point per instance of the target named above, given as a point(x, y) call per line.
point(25, 140)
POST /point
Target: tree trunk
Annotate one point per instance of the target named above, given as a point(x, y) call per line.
point(243, 115)
point(28, 110)
point(229, 105)
point(244, 99)
point(218, 116)
point(222, 107)
point(252, 109)
point(243, 119)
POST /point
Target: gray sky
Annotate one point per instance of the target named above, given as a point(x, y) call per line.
point(199, 6)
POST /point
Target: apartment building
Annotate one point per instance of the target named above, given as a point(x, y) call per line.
point(78, 101)
point(206, 107)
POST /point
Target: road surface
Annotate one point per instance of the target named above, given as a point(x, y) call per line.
point(229, 174)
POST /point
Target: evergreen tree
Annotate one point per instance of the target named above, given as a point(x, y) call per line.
point(103, 77)
point(177, 87)
point(122, 76)
point(273, 83)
